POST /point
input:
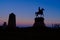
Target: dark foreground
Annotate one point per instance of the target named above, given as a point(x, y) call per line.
point(29, 32)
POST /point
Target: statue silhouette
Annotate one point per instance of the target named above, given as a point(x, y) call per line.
point(39, 21)
point(40, 12)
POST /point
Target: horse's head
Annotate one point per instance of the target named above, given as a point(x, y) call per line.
point(42, 9)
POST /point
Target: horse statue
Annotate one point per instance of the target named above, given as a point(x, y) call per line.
point(40, 12)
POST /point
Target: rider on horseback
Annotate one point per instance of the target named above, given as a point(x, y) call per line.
point(40, 12)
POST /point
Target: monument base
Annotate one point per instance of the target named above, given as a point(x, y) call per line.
point(39, 23)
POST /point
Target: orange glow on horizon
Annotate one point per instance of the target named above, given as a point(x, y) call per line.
point(24, 22)
point(29, 22)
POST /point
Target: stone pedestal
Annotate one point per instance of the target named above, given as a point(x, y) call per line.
point(39, 22)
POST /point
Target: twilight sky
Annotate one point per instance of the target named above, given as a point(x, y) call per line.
point(25, 11)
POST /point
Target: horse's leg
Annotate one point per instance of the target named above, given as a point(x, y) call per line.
point(37, 14)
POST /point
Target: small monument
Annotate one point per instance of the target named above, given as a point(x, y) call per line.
point(4, 24)
point(39, 20)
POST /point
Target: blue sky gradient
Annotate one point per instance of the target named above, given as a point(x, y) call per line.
point(25, 10)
